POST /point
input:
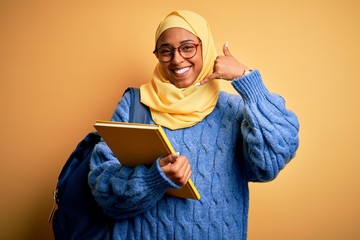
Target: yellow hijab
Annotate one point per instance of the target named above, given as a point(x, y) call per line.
point(177, 108)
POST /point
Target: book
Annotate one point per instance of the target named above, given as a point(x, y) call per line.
point(141, 144)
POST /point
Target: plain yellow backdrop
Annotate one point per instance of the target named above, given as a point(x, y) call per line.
point(65, 64)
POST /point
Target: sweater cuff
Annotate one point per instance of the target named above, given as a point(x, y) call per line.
point(157, 179)
point(251, 87)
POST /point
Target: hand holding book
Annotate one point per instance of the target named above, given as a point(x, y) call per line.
point(140, 144)
point(177, 168)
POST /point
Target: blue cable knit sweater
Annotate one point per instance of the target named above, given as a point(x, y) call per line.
point(247, 137)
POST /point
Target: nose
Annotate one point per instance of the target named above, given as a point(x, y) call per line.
point(177, 58)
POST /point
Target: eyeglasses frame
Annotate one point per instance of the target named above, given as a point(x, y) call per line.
point(178, 49)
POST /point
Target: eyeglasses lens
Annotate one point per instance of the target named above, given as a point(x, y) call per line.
point(187, 50)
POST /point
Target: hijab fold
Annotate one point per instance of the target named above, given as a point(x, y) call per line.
point(177, 108)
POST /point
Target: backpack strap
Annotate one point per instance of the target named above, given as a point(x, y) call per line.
point(139, 113)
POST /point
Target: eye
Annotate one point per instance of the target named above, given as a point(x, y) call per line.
point(165, 51)
point(187, 47)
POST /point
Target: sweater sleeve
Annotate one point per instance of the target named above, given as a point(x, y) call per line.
point(121, 191)
point(269, 130)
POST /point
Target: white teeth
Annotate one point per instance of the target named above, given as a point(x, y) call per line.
point(182, 70)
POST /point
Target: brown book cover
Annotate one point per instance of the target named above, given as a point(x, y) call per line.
point(140, 144)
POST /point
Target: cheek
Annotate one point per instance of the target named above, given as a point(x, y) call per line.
point(165, 69)
point(198, 65)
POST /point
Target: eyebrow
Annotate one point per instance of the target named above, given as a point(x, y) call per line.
point(182, 42)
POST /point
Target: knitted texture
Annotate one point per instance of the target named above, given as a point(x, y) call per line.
point(247, 137)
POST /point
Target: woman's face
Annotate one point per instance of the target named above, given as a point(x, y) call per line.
point(180, 71)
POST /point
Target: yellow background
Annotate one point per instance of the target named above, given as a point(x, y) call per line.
point(64, 64)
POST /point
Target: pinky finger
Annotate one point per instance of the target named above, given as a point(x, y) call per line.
point(206, 80)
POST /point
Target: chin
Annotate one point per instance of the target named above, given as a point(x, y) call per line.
point(182, 84)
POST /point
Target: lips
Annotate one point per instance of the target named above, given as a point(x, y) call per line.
point(181, 71)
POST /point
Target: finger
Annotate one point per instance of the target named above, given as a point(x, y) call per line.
point(207, 79)
point(175, 156)
point(185, 176)
point(169, 159)
point(183, 173)
point(226, 49)
point(188, 173)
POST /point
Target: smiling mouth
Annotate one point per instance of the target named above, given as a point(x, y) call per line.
point(181, 71)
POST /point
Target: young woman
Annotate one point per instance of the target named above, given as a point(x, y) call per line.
point(225, 140)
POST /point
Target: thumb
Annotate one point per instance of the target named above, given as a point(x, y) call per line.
point(226, 49)
point(169, 159)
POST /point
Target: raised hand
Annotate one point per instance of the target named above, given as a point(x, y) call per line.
point(226, 67)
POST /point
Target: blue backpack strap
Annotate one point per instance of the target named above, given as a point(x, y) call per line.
point(139, 113)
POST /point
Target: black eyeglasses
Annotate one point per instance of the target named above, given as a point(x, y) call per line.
point(186, 50)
